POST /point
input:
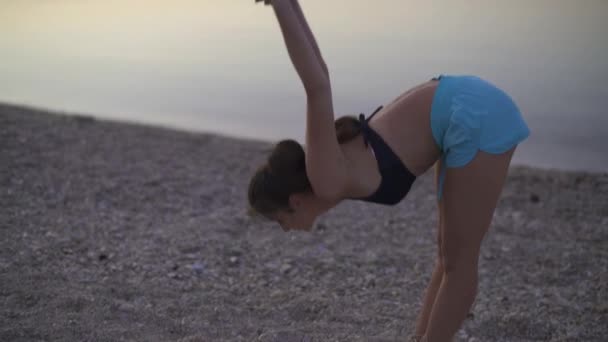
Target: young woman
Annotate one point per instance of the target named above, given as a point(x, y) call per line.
point(464, 125)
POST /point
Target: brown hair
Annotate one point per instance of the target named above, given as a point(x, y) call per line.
point(284, 173)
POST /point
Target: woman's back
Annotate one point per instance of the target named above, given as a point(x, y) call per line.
point(404, 125)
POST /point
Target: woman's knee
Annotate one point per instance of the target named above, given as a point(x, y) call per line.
point(439, 262)
point(459, 257)
point(440, 254)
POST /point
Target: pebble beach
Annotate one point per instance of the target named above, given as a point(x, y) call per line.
point(116, 231)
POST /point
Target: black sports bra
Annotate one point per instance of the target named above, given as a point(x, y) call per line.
point(396, 178)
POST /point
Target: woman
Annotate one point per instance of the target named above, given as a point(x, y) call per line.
point(463, 124)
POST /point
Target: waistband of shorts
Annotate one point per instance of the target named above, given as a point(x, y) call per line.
point(439, 108)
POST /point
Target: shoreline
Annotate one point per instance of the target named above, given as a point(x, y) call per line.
point(121, 231)
point(184, 129)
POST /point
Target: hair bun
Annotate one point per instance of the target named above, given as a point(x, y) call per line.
point(287, 157)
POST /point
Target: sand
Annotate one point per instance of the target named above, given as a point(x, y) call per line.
point(124, 232)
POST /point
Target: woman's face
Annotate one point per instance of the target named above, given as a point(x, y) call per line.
point(295, 220)
point(306, 208)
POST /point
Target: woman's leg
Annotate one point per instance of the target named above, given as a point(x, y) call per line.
point(470, 195)
point(433, 287)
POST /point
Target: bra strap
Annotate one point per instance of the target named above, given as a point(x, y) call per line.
point(365, 126)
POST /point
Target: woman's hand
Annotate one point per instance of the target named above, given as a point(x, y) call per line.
point(271, 2)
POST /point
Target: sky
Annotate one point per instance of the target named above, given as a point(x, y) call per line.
point(221, 66)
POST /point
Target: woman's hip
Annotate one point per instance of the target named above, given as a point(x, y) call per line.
point(470, 114)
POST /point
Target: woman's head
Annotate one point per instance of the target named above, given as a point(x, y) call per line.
point(280, 189)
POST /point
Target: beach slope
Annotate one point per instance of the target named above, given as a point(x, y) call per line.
point(123, 232)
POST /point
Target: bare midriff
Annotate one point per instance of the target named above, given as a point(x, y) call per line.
point(405, 125)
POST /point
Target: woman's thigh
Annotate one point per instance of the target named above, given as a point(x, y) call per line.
point(438, 166)
point(470, 195)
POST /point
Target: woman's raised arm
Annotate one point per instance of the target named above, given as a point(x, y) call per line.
point(311, 37)
point(326, 165)
point(301, 49)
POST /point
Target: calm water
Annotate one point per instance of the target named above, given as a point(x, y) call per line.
point(221, 66)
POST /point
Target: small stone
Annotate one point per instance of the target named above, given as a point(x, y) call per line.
point(233, 260)
point(236, 252)
point(370, 279)
point(601, 308)
point(126, 306)
point(102, 257)
point(285, 268)
point(198, 267)
point(187, 287)
point(534, 198)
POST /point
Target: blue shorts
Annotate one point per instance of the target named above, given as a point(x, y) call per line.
point(470, 114)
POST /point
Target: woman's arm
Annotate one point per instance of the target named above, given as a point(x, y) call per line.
point(310, 35)
point(326, 165)
point(301, 50)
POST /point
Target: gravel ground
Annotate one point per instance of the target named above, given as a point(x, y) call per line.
point(123, 232)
